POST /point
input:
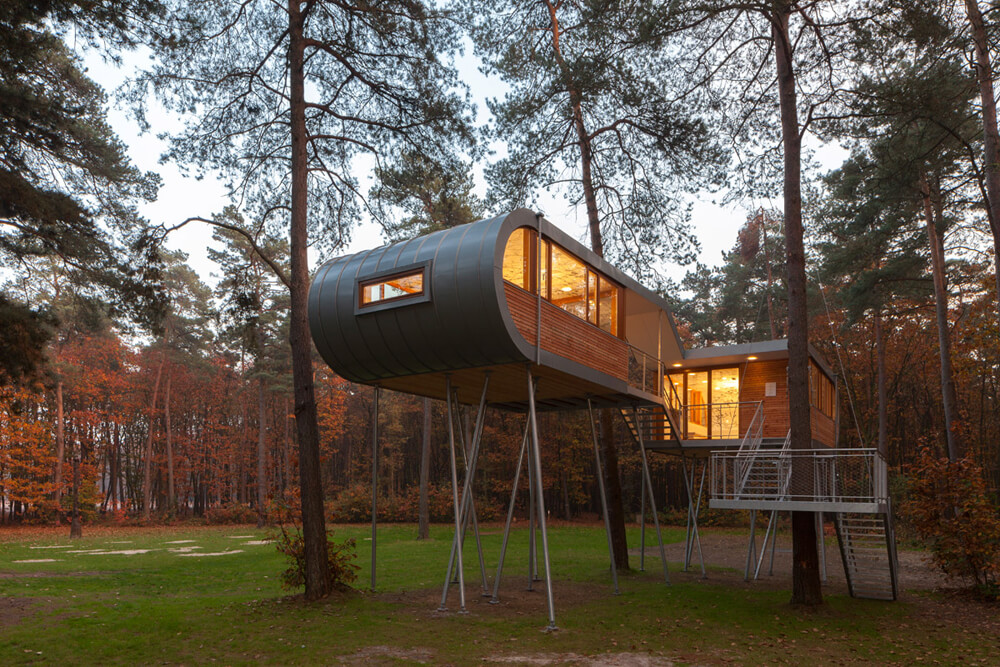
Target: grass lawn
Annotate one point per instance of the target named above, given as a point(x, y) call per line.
point(131, 595)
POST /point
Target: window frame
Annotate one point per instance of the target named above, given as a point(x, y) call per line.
point(424, 296)
point(539, 253)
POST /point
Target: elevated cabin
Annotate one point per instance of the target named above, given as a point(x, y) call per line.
point(511, 312)
point(514, 293)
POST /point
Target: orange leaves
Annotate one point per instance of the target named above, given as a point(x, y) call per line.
point(26, 457)
point(950, 508)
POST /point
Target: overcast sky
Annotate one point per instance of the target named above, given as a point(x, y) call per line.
point(182, 197)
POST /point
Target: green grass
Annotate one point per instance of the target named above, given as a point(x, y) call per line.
point(160, 607)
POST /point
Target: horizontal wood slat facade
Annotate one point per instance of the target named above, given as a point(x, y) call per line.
point(753, 382)
point(567, 335)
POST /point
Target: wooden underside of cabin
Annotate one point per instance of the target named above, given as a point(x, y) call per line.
point(508, 388)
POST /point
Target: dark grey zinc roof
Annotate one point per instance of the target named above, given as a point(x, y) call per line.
point(463, 323)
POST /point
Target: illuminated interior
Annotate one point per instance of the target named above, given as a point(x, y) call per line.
point(725, 403)
point(708, 401)
point(561, 278)
point(394, 287)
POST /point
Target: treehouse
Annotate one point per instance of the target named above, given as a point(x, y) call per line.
point(514, 293)
point(512, 313)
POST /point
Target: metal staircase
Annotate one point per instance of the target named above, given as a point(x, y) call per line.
point(656, 426)
point(868, 549)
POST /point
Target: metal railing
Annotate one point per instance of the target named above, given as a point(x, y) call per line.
point(818, 475)
point(644, 371)
point(721, 421)
point(751, 443)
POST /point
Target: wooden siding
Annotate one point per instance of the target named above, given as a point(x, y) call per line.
point(756, 374)
point(567, 335)
point(822, 427)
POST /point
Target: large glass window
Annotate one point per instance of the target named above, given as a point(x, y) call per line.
point(697, 405)
point(607, 304)
point(726, 403)
point(821, 390)
point(544, 268)
point(395, 287)
point(569, 283)
point(708, 401)
point(516, 264)
point(562, 279)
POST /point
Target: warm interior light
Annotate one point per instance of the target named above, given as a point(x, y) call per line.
point(677, 365)
point(751, 358)
point(567, 289)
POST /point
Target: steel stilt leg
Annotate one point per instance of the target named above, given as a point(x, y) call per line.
point(642, 525)
point(604, 497)
point(510, 515)
point(467, 505)
point(752, 546)
point(374, 479)
point(540, 499)
point(652, 500)
point(458, 514)
point(768, 534)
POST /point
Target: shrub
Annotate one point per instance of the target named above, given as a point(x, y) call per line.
point(340, 559)
point(354, 505)
point(230, 514)
point(949, 507)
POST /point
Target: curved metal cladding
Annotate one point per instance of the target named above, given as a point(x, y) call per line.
point(461, 321)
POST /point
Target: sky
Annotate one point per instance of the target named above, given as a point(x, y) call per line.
point(182, 196)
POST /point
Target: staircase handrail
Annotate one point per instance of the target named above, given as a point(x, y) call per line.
point(748, 447)
point(673, 413)
point(786, 463)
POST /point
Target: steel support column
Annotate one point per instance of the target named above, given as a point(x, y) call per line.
point(536, 460)
point(604, 497)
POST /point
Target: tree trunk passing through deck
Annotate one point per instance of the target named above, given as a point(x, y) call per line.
point(805, 557)
point(317, 575)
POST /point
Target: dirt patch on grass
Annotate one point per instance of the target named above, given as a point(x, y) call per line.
point(599, 660)
point(730, 551)
point(43, 575)
point(15, 610)
point(388, 655)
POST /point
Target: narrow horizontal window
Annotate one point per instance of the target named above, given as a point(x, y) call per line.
point(398, 287)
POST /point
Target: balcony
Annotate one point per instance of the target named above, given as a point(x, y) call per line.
point(833, 480)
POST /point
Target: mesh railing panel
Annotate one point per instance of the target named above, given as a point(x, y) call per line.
point(826, 475)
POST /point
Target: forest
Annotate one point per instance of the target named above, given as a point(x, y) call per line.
point(132, 390)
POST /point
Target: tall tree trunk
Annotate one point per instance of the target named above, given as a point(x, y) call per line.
point(171, 493)
point(770, 276)
point(147, 466)
point(261, 456)
point(60, 449)
point(317, 575)
point(991, 135)
point(75, 527)
point(612, 480)
point(424, 512)
point(883, 408)
point(948, 394)
point(806, 587)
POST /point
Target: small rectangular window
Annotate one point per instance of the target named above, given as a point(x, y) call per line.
point(402, 286)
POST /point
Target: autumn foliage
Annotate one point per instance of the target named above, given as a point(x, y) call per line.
point(949, 507)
